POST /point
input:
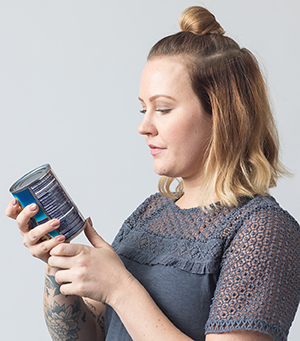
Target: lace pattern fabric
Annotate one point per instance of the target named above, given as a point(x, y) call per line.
point(259, 284)
point(254, 248)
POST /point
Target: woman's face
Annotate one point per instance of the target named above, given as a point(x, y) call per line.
point(176, 128)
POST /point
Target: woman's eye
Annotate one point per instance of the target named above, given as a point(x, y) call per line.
point(163, 111)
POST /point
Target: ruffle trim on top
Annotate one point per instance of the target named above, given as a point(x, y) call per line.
point(190, 256)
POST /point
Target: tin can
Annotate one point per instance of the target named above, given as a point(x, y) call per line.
point(42, 187)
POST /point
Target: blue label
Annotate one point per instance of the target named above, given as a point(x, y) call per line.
point(26, 198)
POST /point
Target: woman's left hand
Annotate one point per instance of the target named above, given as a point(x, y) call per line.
point(96, 272)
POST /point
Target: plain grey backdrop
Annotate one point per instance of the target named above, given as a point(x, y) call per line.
point(69, 82)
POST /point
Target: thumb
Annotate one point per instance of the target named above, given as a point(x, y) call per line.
point(13, 209)
point(92, 235)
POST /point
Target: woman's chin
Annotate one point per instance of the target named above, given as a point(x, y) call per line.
point(161, 171)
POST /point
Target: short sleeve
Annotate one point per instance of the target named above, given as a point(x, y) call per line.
point(259, 283)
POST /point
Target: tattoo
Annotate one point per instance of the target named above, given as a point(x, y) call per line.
point(62, 321)
point(100, 318)
point(89, 304)
point(84, 317)
point(47, 292)
point(101, 322)
point(50, 283)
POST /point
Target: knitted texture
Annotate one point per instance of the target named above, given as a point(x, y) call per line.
point(254, 248)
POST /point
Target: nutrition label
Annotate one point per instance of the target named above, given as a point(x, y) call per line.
point(57, 205)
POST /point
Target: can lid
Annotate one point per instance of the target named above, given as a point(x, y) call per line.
point(29, 178)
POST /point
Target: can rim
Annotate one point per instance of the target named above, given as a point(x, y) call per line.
point(18, 185)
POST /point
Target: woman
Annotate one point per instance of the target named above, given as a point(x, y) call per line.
point(216, 260)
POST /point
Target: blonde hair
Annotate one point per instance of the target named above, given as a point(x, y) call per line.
point(243, 155)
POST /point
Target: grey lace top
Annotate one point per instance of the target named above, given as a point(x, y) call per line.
point(214, 271)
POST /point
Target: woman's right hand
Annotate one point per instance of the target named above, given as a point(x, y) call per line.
point(32, 236)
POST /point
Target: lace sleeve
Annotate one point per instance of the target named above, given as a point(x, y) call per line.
point(259, 284)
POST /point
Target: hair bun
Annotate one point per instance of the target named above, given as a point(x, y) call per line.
point(199, 20)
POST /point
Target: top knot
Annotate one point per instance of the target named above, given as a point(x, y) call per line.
point(199, 20)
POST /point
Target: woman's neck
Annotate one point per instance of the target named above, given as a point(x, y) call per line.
point(193, 195)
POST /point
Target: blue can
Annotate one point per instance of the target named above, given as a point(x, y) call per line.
point(42, 187)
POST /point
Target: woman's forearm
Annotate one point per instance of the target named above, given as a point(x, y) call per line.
point(142, 317)
point(98, 273)
point(70, 317)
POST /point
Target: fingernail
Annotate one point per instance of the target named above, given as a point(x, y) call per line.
point(55, 223)
point(14, 202)
point(33, 207)
point(90, 221)
point(61, 239)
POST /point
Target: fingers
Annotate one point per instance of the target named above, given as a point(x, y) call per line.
point(23, 218)
point(67, 256)
point(92, 235)
point(34, 235)
point(38, 249)
point(70, 283)
point(13, 209)
point(67, 288)
point(63, 276)
point(41, 250)
point(67, 250)
point(60, 262)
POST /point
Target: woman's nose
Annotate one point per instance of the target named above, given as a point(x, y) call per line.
point(147, 126)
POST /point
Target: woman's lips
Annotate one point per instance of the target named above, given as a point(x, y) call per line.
point(155, 149)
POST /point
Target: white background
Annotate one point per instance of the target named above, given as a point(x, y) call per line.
point(69, 82)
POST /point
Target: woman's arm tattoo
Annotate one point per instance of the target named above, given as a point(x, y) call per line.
point(51, 284)
point(66, 315)
point(62, 319)
point(99, 318)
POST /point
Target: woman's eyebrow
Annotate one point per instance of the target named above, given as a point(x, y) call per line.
point(153, 98)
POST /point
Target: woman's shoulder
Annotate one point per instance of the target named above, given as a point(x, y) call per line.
point(267, 209)
point(263, 218)
point(150, 207)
